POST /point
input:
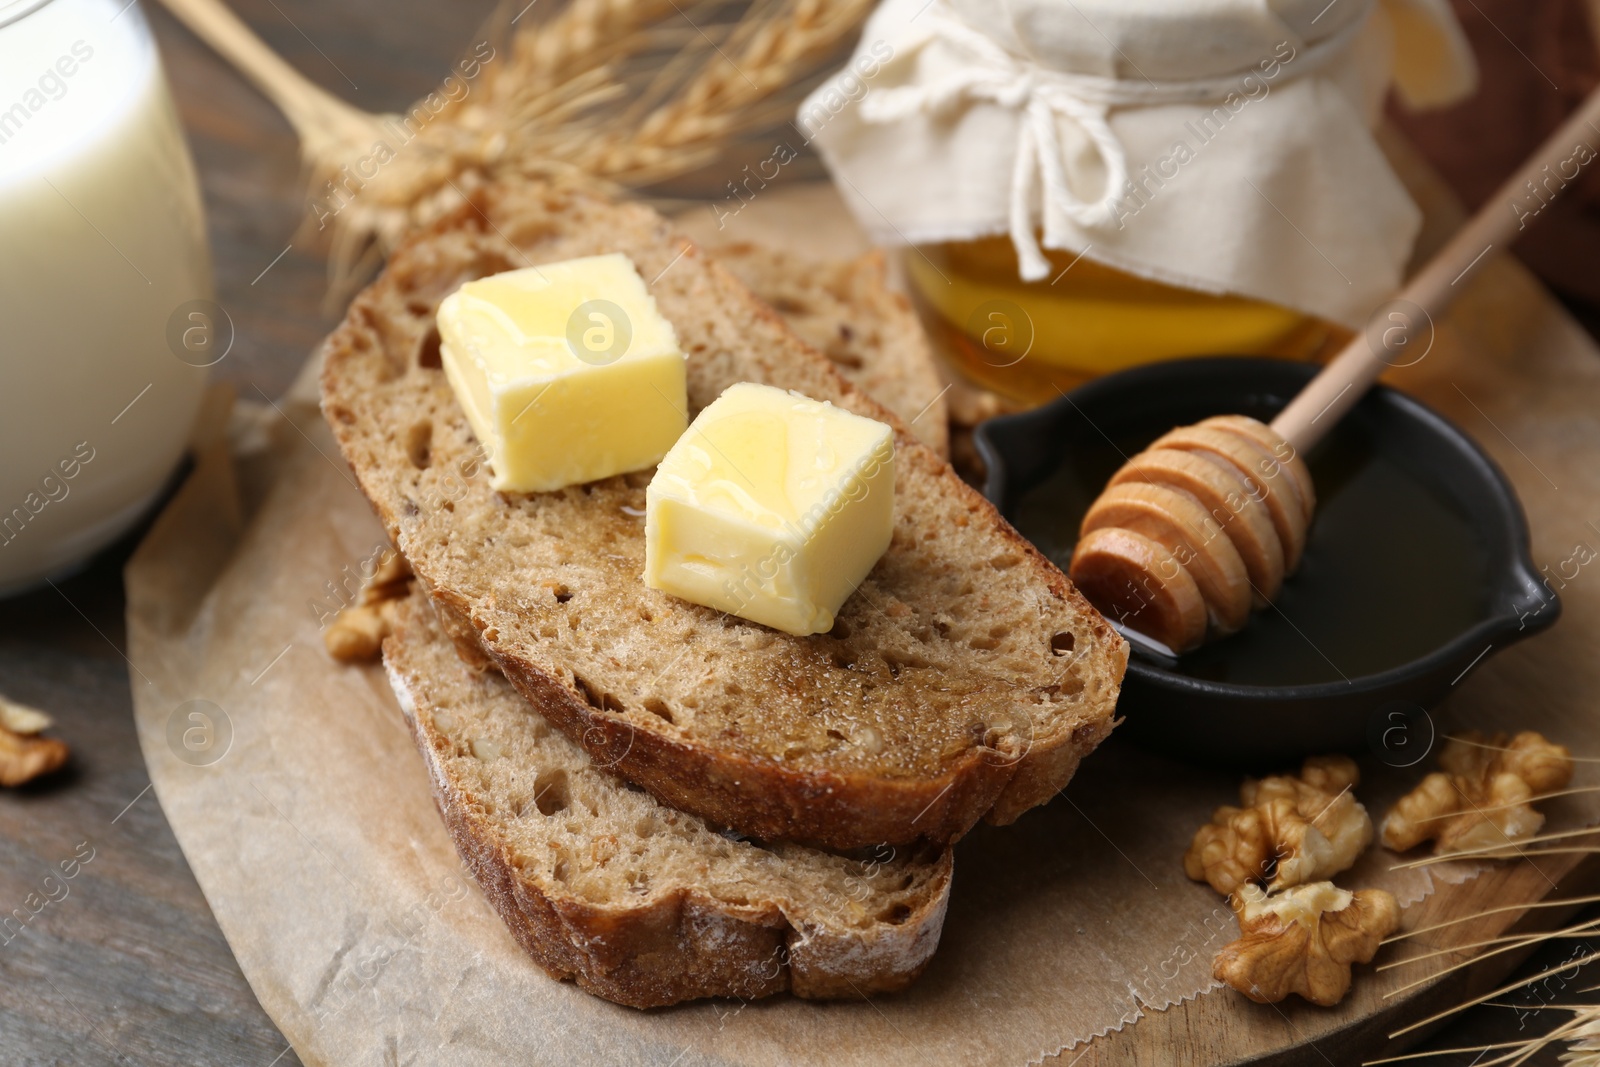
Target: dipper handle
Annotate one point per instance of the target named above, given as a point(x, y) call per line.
point(1331, 394)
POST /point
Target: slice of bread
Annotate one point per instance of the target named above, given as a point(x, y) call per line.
point(602, 884)
point(846, 310)
point(964, 679)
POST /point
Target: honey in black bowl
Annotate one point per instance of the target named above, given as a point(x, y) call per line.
point(1392, 571)
point(1415, 569)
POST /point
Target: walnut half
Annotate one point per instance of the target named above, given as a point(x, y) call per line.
point(24, 753)
point(356, 633)
point(1304, 941)
point(1481, 798)
point(1292, 829)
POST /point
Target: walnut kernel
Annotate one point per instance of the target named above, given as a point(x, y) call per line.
point(1482, 796)
point(1304, 941)
point(356, 633)
point(1291, 829)
point(24, 753)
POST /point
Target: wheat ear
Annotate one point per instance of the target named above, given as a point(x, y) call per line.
point(764, 57)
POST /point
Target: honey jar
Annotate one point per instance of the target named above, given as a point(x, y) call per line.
point(1081, 187)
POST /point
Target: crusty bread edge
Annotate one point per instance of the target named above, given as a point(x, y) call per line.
point(767, 801)
point(745, 952)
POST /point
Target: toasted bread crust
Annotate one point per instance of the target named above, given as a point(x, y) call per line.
point(723, 783)
point(676, 945)
point(764, 801)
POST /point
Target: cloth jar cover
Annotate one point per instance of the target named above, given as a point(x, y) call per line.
point(1218, 145)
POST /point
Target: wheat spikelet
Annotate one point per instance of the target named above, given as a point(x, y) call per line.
point(616, 92)
point(578, 38)
point(725, 98)
point(1584, 1040)
point(623, 92)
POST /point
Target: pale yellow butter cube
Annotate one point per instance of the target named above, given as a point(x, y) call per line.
point(772, 507)
point(566, 371)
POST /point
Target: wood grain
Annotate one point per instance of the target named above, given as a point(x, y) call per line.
point(129, 966)
point(121, 962)
point(1223, 1028)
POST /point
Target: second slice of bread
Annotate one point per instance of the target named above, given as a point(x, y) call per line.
point(846, 310)
point(637, 903)
point(964, 679)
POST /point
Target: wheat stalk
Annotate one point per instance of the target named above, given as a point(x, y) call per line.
point(764, 57)
point(1581, 1033)
point(622, 92)
point(548, 74)
point(1505, 942)
point(572, 98)
point(582, 35)
point(1432, 927)
point(1577, 1030)
point(1498, 850)
point(1502, 748)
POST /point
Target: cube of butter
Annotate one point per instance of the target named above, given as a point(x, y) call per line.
point(566, 371)
point(772, 507)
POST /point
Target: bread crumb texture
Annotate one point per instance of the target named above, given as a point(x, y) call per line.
point(639, 903)
point(965, 678)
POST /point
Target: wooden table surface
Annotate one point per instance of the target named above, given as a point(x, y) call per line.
point(130, 967)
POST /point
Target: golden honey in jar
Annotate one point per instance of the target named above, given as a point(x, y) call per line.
point(1027, 339)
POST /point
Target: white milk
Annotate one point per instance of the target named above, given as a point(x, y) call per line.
point(101, 241)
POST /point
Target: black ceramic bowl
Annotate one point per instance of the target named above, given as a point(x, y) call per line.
point(1415, 572)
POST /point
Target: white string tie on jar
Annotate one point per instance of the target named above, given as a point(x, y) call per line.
point(1043, 97)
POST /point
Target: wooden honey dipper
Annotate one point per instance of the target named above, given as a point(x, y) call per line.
point(1204, 525)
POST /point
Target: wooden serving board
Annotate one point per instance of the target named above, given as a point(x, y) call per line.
point(1511, 367)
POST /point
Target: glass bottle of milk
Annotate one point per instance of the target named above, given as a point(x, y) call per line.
point(106, 320)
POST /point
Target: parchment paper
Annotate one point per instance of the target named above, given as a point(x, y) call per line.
point(311, 830)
